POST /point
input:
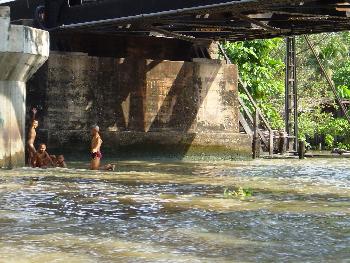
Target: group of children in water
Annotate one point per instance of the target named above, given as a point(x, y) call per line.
point(40, 158)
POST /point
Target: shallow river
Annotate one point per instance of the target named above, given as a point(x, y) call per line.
point(177, 212)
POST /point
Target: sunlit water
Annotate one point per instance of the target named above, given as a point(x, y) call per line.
point(177, 212)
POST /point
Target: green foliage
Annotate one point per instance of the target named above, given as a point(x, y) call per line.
point(239, 192)
point(341, 78)
point(311, 122)
point(343, 91)
point(343, 146)
point(335, 127)
point(333, 50)
point(262, 72)
point(329, 140)
point(273, 114)
point(261, 68)
point(324, 124)
point(258, 69)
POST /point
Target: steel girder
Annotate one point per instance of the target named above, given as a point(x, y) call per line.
point(195, 19)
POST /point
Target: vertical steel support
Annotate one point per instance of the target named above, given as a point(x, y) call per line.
point(291, 95)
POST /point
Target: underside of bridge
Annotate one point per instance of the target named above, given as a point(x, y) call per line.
point(188, 19)
point(147, 72)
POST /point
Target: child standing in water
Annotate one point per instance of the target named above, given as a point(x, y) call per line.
point(96, 154)
point(31, 139)
point(96, 143)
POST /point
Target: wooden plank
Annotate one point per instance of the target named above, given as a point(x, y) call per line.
point(250, 117)
point(245, 124)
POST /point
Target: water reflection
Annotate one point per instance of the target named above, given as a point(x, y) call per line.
point(176, 212)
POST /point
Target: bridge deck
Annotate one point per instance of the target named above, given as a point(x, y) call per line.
point(200, 19)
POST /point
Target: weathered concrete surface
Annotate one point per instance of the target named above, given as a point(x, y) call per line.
point(152, 106)
point(22, 51)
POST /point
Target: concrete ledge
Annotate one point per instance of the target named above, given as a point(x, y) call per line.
point(22, 49)
point(165, 144)
point(19, 66)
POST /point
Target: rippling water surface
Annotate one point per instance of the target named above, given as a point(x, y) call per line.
point(177, 212)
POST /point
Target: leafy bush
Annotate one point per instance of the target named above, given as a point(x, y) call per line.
point(263, 74)
point(335, 128)
point(343, 146)
point(329, 140)
point(261, 68)
point(239, 192)
point(313, 122)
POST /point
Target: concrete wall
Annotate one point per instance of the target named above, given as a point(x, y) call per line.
point(22, 51)
point(141, 105)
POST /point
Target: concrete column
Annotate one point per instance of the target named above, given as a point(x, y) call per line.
point(23, 50)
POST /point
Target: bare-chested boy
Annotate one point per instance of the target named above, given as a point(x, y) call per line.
point(96, 154)
point(31, 139)
point(42, 158)
point(60, 162)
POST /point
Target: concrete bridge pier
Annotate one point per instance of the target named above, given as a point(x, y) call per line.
point(23, 50)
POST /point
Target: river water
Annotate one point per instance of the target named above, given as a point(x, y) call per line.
point(177, 212)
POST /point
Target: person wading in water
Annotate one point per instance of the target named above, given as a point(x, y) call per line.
point(96, 154)
point(96, 143)
point(31, 139)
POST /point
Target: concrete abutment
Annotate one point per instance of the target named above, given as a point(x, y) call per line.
point(145, 107)
point(23, 50)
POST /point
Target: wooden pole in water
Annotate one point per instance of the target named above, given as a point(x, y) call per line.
point(271, 143)
point(256, 140)
point(301, 149)
point(282, 143)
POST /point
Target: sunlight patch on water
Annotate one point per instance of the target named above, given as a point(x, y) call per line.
point(72, 248)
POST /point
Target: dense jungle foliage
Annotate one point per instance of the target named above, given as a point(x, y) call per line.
point(262, 70)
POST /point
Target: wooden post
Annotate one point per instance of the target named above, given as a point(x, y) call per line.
point(282, 144)
point(271, 143)
point(301, 149)
point(256, 140)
